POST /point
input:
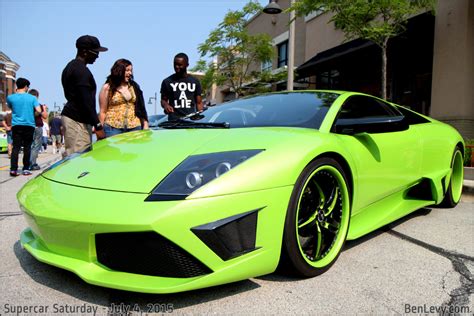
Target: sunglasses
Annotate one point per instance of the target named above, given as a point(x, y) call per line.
point(96, 54)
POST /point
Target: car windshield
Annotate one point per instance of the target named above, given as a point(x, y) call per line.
point(297, 109)
point(153, 120)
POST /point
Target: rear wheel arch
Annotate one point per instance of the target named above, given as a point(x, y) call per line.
point(454, 190)
point(461, 148)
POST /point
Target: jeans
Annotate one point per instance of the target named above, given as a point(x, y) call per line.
point(111, 131)
point(9, 137)
point(45, 142)
point(35, 148)
point(22, 136)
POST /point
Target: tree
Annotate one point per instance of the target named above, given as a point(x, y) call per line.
point(374, 20)
point(235, 51)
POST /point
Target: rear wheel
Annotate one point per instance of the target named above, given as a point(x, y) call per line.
point(454, 191)
point(317, 220)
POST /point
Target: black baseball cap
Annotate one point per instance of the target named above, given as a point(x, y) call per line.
point(89, 42)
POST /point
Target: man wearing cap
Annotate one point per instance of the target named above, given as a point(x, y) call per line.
point(79, 114)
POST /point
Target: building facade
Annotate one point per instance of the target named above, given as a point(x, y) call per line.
point(430, 66)
point(8, 69)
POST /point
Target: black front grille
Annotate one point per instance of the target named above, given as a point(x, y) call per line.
point(146, 253)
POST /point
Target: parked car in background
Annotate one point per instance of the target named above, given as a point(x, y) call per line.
point(3, 140)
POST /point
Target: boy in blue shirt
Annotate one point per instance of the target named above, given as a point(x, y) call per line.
point(23, 106)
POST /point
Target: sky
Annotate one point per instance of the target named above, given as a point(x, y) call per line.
point(40, 36)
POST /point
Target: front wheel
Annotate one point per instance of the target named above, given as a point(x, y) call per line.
point(454, 191)
point(317, 219)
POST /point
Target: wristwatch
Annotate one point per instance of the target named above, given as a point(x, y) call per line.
point(99, 126)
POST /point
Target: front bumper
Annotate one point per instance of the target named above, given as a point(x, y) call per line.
point(64, 221)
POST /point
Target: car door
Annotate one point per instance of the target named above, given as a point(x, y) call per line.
point(386, 161)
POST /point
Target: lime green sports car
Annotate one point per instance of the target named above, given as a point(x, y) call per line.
point(280, 179)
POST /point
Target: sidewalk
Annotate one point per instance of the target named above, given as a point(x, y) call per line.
point(44, 160)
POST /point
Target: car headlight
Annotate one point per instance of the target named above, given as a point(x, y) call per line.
point(196, 171)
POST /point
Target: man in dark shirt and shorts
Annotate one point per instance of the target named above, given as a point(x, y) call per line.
point(181, 92)
point(56, 132)
point(79, 114)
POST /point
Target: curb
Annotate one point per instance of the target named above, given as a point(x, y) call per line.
point(468, 183)
point(468, 187)
point(468, 173)
point(49, 162)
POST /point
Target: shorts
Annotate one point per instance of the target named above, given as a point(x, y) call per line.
point(56, 139)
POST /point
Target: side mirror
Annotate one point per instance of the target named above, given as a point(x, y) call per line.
point(370, 125)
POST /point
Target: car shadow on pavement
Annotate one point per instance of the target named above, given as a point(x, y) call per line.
point(121, 301)
point(280, 276)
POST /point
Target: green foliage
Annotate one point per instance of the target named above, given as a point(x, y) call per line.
point(377, 21)
point(235, 50)
point(468, 152)
point(208, 70)
point(51, 116)
point(265, 80)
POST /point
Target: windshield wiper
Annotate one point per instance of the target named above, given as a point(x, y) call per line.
point(194, 116)
point(193, 124)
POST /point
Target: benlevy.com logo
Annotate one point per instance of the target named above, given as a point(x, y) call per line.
point(430, 309)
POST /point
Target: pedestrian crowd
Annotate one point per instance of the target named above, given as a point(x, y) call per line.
point(121, 107)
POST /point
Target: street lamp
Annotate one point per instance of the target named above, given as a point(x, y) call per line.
point(274, 8)
point(153, 98)
point(56, 108)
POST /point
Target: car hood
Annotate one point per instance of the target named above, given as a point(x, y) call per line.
point(138, 161)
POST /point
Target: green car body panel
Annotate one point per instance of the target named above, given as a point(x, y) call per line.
point(104, 191)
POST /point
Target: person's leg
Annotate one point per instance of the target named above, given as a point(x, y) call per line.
point(10, 143)
point(77, 136)
point(45, 143)
point(60, 142)
point(84, 138)
point(27, 141)
point(70, 133)
point(53, 143)
point(16, 145)
point(36, 146)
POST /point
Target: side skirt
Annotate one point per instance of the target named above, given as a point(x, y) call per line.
point(391, 208)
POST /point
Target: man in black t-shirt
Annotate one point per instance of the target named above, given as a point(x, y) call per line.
point(181, 92)
point(79, 114)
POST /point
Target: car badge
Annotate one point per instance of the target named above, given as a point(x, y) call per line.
point(85, 173)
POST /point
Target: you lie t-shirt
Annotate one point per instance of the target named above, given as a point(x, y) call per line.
point(182, 93)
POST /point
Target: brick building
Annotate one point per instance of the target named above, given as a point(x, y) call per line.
point(8, 69)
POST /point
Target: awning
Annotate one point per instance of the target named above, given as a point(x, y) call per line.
point(335, 52)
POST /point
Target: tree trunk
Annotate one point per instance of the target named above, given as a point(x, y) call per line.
point(384, 69)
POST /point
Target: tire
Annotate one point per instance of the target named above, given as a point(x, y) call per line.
point(454, 191)
point(317, 219)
